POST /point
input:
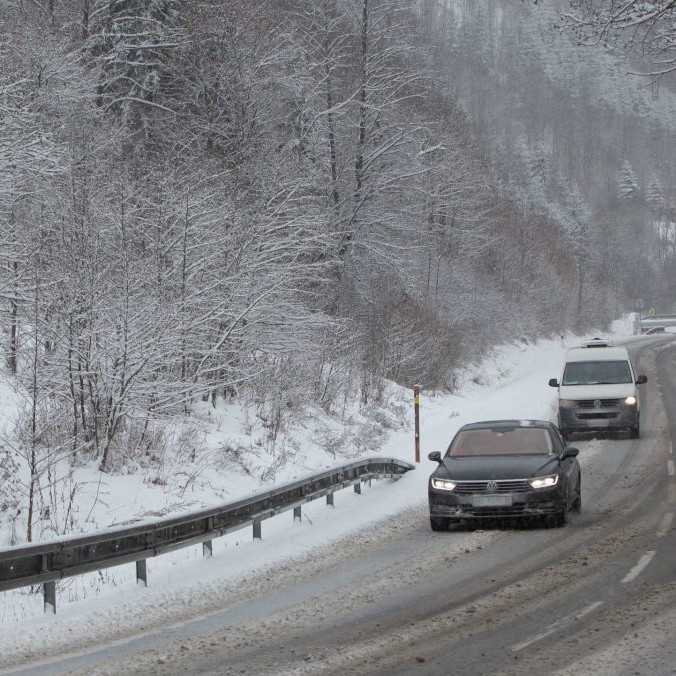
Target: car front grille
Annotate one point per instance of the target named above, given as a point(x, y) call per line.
point(604, 403)
point(497, 486)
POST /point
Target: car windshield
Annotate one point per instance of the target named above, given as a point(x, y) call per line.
point(597, 373)
point(502, 441)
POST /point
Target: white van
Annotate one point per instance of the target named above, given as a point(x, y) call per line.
point(599, 390)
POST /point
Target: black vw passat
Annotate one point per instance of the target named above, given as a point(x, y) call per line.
point(505, 468)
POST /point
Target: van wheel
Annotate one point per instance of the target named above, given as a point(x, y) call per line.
point(438, 523)
point(635, 431)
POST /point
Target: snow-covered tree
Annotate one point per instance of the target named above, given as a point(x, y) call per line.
point(627, 183)
point(655, 196)
point(132, 43)
point(645, 28)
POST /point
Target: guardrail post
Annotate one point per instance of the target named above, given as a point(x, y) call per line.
point(329, 499)
point(49, 597)
point(142, 573)
point(257, 530)
point(357, 488)
point(297, 513)
point(208, 545)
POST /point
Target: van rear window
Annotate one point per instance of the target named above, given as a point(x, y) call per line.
point(597, 373)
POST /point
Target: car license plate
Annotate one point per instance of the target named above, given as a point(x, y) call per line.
point(492, 500)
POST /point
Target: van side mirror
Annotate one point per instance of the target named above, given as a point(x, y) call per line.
point(641, 380)
point(553, 382)
point(571, 452)
point(434, 456)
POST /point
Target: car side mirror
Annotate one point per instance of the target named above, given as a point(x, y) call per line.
point(434, 456)
point(571, 452)
point(553, 382)
point(641, 380)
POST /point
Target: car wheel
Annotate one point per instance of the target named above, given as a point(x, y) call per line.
point(577, 503)
point(635, 431)
point(438, 523)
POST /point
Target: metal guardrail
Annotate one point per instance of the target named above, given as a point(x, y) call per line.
point(45, 563)
point(655, 321)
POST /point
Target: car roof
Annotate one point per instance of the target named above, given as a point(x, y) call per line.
point(597, 354)
point(492, 424)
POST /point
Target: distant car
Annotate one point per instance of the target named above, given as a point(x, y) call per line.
point(505, 468)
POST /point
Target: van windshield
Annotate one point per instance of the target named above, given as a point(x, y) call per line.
point(597, 373)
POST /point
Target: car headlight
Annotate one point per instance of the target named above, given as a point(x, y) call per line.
point(544, 481)
point(443, 484)
point(567, 403)
point(630, 401)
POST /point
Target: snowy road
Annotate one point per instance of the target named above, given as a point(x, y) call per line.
point(597, 597)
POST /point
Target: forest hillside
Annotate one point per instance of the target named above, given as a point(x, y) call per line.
point(291, 203)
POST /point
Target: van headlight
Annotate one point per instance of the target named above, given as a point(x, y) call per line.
point(567, 403)
point(544, 481)
point(630, 401)
point(443, 484)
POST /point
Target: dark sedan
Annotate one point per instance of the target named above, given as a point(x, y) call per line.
point(505, 468)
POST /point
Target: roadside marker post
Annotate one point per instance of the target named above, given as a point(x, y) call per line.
point(416, 410)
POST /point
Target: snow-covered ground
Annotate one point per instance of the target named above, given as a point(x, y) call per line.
point(510, 383)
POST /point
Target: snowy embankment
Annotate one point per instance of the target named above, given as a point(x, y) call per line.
point(510, 383)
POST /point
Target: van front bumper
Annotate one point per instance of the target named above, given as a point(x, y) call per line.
point(597, 415)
